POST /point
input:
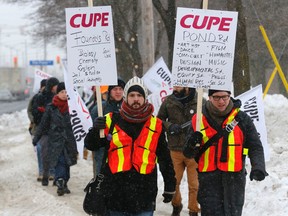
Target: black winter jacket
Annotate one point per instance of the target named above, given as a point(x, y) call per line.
point(251, 138)
point(41, 100)
point(60, 135)
point(131, 191)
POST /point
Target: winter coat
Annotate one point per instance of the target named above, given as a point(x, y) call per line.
point(131, 191)
point(251, 139)
point(60, 135)
point(42, 100)
point(172, 111)
point(107, 106)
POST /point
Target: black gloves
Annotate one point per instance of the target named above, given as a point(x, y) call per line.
point(257, 175)
point(168, 196)
point(34, 142)
point(100, 122)
point(175, 129)
point(191, 148)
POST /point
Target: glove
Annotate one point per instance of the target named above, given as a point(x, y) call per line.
point(34, 142)
point(100, 122)
point(168, 196)
point(257, 175)
point(175, 129)
point(41, 109)
point(192, 147)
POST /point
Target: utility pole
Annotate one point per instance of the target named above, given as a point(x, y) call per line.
point(147, 34)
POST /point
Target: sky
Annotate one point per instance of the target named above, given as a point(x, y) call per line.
point(14, 41)
point(22, 195)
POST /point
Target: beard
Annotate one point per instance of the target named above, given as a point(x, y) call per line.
point(179, 94)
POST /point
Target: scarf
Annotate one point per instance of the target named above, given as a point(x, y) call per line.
point(138, 115)
point(219, 116)
point(62, 105)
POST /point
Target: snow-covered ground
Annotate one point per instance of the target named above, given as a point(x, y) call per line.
point(21, 194)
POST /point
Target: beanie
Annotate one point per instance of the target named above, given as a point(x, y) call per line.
point(52, 81)
point(120, 83)
point(135, 84)
point(212, 91)
point(43, 83)
point(60, 87)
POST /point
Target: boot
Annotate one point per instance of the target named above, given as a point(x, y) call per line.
point(193, 213)
point(66, 189)
point(45, 181)
point(177, 210)
point(60, 184)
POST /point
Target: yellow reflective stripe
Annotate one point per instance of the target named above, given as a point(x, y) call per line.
point(120, 151)
point(207, 152)
point(147, 145)
point(108, 120)
point(231, 149)
point(245, 151)
point(116, 141)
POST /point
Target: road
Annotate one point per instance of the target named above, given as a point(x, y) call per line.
point(10, 107)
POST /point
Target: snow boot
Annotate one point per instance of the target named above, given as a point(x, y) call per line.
point(177, 210)
point(60, 184)
point(45, 181)
point(66, 189)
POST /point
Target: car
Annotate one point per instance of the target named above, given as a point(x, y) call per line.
point(6, 95)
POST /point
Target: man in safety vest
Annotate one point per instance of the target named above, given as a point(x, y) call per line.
point(135, 141)
point(226, 136)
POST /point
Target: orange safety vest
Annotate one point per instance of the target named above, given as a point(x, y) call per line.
point(123, 153)
point(210, 159)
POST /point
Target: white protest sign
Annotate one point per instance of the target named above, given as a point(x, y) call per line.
point(38, 76)
point(204, 48)
point(252, 104)
point(90, 46)
point(158, 76)
point(80, 117)
point(156, 98)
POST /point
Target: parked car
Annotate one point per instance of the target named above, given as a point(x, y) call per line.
point(6, 95)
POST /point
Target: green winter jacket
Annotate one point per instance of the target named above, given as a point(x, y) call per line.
point(172, 111)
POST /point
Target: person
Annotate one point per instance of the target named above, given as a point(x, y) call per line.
point(226, 135)
point(62, 148)
point(38, 110)
point(113, 103)
point(134, 147)
point(33, 126)
point(177, 109)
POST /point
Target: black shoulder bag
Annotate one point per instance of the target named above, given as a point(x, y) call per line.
point(94, 201)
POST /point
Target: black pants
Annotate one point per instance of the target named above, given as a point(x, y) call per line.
point(221, 193)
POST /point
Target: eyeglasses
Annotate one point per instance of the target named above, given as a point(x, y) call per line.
point(224, 97)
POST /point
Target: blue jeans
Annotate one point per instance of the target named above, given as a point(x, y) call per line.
point(62, 169)
point(39, 159)
point(144, 213)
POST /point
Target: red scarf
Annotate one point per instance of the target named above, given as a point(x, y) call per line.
point(62, 105)
point(136, 115)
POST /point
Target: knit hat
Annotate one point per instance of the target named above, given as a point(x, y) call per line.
point(120, 83)
point(43, 83)
point(60, 87)
point(51, 82)
point(212, 91)
point(135, 84)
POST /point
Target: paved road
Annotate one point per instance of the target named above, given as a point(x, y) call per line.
point(10, 107)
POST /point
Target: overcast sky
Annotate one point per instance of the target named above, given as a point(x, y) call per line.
point(13, 18)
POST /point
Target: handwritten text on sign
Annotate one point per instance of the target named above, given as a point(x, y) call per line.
point(90, 46)
point(204, 48)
